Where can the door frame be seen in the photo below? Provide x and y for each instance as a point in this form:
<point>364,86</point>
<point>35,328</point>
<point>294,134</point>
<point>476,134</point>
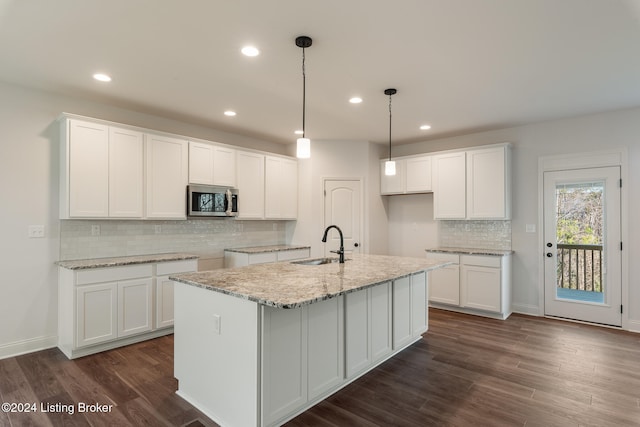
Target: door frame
<point>594,159</point>
<point>364,217</point>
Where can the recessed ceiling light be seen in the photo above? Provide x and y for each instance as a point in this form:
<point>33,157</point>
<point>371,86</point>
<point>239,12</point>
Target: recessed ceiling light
<point>102,77</point>
<point>229,113</point>
<point>298,132</point>
<point>355,100</point>
<point>425,127</point>
<point>250,51</point>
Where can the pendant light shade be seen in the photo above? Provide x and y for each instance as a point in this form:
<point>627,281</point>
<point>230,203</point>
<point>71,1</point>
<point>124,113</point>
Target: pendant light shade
<point>390,165</point>
<point>303,150</point>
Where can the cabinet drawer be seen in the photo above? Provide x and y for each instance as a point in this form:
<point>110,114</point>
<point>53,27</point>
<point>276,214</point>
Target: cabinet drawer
<point>293,254</point>
<point>444,257</point>
<point>174,267</point>
<point>113,274</point>
<point>263,258</point>
<point>481,260</point>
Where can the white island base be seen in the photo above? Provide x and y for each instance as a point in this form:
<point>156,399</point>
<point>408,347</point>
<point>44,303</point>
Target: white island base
<point>243,363</point>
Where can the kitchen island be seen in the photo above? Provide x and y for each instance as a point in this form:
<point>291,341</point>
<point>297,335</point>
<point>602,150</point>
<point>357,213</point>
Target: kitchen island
<point>257,345</point>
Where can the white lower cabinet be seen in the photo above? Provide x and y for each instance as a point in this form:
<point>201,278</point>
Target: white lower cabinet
<point>310,352</point>
<point>476,284</point>
<point>135,310</point>
<point>367,328</point>
<point>409,309</point>
<point>96,311</point>
<point>104,308</point>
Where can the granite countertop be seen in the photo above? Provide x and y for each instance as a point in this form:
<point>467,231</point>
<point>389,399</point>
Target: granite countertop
<point>265,249</point>
<point>289,285</point>
<point>82,264</point>
<point>471,251</point>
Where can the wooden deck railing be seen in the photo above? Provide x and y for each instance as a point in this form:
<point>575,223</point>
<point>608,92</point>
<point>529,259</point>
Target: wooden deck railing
<point>580,267</point>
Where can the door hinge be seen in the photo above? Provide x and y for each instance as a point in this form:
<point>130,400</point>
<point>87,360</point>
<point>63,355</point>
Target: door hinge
<point>620,182</point>
<point>325,193</point>
<point>620,245</point>
<point>621,309</point>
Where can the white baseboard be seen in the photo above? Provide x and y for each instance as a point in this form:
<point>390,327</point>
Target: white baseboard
<point>634,325</point>
<point>27,346</point>
<point>531,310</point>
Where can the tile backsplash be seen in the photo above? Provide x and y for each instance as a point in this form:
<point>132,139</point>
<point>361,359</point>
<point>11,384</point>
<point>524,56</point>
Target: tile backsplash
<point>80,239</point>
<point>475,234</point>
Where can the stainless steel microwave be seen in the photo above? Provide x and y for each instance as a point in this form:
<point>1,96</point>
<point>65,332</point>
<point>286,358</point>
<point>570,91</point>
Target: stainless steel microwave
<point>211,201</point>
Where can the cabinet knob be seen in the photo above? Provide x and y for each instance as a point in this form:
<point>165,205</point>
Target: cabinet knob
<point>355,245</point>
<point>549,244</point>
<point>549,254</point>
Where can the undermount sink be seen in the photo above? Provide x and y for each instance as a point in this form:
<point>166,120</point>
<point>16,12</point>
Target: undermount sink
<point>316,261</point>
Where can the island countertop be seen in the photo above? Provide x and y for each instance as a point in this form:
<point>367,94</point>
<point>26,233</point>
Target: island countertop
<point>289,285</point>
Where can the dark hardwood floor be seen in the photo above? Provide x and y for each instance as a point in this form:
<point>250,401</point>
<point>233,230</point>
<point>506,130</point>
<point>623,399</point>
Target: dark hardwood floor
<point>466,371</point>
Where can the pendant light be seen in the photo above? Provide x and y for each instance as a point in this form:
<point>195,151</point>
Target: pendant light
<point>390,165</point>
<point>303,150</point>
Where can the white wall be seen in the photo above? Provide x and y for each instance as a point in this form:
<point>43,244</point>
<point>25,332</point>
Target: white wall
<point>29,189</point>
<point>575,135</point>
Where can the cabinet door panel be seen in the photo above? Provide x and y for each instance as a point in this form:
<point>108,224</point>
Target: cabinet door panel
<point>96,311</point>
<point>444,285</point>
<point>393,184</point>
<point>88,170</point>
<point>134,307</point>
<point>126,179</point>
<point>486,198</point>
<point>284,362</point>
<point>251,184</point>
<point>164,302</point>
<point>418,174</point>
<point>200,163</point>
<point>402,331</point>
<point>224,166</point>
<point>326,345</point>
<point>381,331</point>
<point>481,288</point>
<point>449,193</point>
<point>418,304</point>
<point>167,176</point>
<point>358,352</point>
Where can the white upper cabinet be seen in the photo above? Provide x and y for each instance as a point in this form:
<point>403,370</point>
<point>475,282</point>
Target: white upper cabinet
<point>418,172</point>
<point>281,188</point>
<point>86,170</point>
<point>488,183</point>
<point>413,175</point>
<point>126,177</point>
<point>449,192</point>
<point>211,164</point>
<point>167,175</point>
<point>101,173</point>
<point>250,167</point>
<point>392,184</point>
<point>473,184</point>
<point>200,163</point>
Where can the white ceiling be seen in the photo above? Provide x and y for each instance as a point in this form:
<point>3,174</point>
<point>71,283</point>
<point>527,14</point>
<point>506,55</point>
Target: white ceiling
<point>459,65</point>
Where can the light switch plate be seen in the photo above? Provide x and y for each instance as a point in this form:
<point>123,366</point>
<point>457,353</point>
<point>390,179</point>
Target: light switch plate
<point>531,228</point>
<point>36,231</point>
<point>216,324</point>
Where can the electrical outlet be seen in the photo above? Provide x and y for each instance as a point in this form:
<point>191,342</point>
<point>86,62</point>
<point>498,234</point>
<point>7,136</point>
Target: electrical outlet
<point>275,226</point>
<point>216,324</point>
<point>158,229</point>
<point>36,231</point>
<point>95,230</point>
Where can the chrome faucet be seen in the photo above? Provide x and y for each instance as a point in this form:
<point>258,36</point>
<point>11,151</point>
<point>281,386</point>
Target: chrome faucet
<point>340,252</point>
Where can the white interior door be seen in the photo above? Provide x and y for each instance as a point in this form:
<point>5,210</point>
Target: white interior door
<point>582,229</point>
<point>343,207</point>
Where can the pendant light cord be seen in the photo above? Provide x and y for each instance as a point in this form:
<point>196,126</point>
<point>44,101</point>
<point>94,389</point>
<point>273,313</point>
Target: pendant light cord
<point>304,93</point>
<point>389,127</point>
